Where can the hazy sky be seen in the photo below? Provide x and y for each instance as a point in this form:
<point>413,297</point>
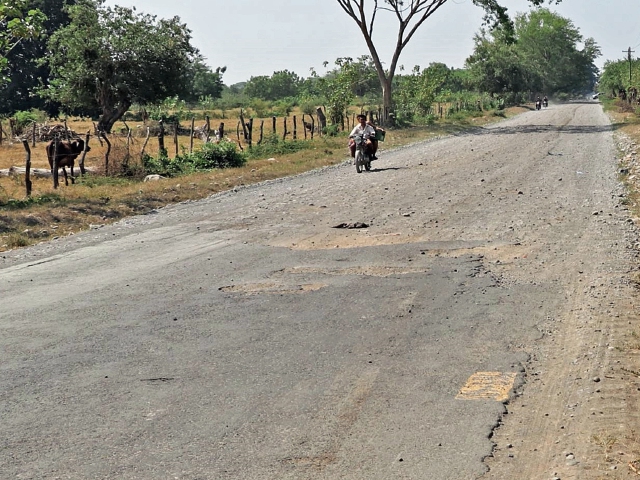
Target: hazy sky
<point>259,37</point>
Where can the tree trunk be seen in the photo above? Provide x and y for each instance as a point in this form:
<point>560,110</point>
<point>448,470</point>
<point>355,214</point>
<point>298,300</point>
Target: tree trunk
<point>27,166</point>
<point>388,118</point>
<point>322,120</point>
<point>111,116</point>
<point>107,153</point>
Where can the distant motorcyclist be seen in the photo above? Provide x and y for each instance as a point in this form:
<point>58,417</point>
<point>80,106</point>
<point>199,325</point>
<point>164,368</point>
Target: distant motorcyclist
<point>538,103</point>
<point>545,101</point>
<point>368,134</point>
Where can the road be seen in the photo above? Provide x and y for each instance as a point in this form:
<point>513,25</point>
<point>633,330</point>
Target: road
<point>244,337</point>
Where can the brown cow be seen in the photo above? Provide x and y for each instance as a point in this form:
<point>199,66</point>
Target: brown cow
<point>66,155</point>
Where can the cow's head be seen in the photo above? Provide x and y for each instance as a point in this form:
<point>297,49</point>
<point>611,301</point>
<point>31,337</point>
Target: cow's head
<point>78,146</point>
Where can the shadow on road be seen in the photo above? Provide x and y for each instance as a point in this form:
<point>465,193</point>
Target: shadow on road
<point>376,170</point>
<point>571,129</point>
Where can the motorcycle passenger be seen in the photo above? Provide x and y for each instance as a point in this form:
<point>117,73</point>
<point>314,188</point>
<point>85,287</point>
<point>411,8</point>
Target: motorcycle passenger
<point>367,132</point>
<point>545,101</point>
<point>374,141</point>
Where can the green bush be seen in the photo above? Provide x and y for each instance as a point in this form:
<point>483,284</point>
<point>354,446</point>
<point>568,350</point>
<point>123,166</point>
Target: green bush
<point>331,130</point>
<point>218,155</point>
<point>274,145</point>
<point>24,119</point>
<point>308,107</point>
<point>208,157</point>
<point>425,120</point>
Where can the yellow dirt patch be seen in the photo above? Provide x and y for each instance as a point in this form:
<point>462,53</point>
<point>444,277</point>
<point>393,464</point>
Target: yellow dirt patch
<point>343,239</point>
<point>370,270</point>
<point>488,386</point>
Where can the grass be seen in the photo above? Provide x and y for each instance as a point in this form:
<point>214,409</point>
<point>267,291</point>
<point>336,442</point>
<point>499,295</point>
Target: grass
<point>98,199</point>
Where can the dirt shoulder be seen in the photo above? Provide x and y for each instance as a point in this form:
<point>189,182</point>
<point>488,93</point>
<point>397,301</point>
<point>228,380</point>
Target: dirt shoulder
<point>577,414</point>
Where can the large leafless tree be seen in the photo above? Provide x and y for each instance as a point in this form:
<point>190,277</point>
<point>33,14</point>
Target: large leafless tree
<point>410,14</point>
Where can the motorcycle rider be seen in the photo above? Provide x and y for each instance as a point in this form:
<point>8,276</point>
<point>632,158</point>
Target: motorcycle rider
<point>538,103</point>
<point>545,101</point>
<point>368,133</point>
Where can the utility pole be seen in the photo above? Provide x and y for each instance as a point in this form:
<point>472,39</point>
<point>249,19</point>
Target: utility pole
<point>629,52</point>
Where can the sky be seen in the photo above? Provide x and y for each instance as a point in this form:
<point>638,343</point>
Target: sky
<point>260,37</point>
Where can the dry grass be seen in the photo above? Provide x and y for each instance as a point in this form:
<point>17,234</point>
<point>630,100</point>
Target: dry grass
<point>96,199</point>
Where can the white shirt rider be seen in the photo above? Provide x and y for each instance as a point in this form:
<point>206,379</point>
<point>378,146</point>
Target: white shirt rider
<point>367,131</point>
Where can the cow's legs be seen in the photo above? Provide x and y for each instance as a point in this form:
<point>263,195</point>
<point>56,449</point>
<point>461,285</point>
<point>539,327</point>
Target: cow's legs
<point>73,177</point>
<point>66,181</point>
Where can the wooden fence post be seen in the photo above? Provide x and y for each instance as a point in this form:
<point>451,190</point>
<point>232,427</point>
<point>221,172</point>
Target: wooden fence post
<point>84,153</point>
<point>261,131</point>
<point>322,120</point>
<point>295,128</point>
<point>208,128</point>
<point>144,145</point>
<point>33,135</point>
<point>273,120</point>
<point>193,121</point>
<point>244,126</point>
<point>27,174</point>
<point>163,151</point>
<point>1,132</point>
<point>250,132</point>
<point>284,135</point>
<point>54,167</point>
<point>175,136</point>
<point>97,133</point>
<point>220,132</point>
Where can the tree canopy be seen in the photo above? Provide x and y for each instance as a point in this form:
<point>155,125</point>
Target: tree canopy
<point>280,85</point>
<point>411,15</point>
<point>107,58</point>
<point>205,82</point>
<point>546,57</point>
<point>18,21</point>
<point>25,73</point>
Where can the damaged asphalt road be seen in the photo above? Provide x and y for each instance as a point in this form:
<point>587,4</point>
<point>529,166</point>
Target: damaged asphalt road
<point>245,336</point>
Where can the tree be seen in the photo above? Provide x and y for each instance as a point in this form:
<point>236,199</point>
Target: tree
<point>338,86</point>
<point>205,83</point>
<point>416,93</point>
<point>280,85</point>
<point>18,22</point>
<point>549,43</point>
<point>26,74</point>
<point>108,58</point>
<point>615,76</point>
<point>497,67</point>
<point>411,14</point>
<point>545,57</point>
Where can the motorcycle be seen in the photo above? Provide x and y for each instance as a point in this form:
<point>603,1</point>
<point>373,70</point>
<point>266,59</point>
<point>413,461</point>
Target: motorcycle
<point>538,104</point>
<point>545,103</point>
<point>362,158</point>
